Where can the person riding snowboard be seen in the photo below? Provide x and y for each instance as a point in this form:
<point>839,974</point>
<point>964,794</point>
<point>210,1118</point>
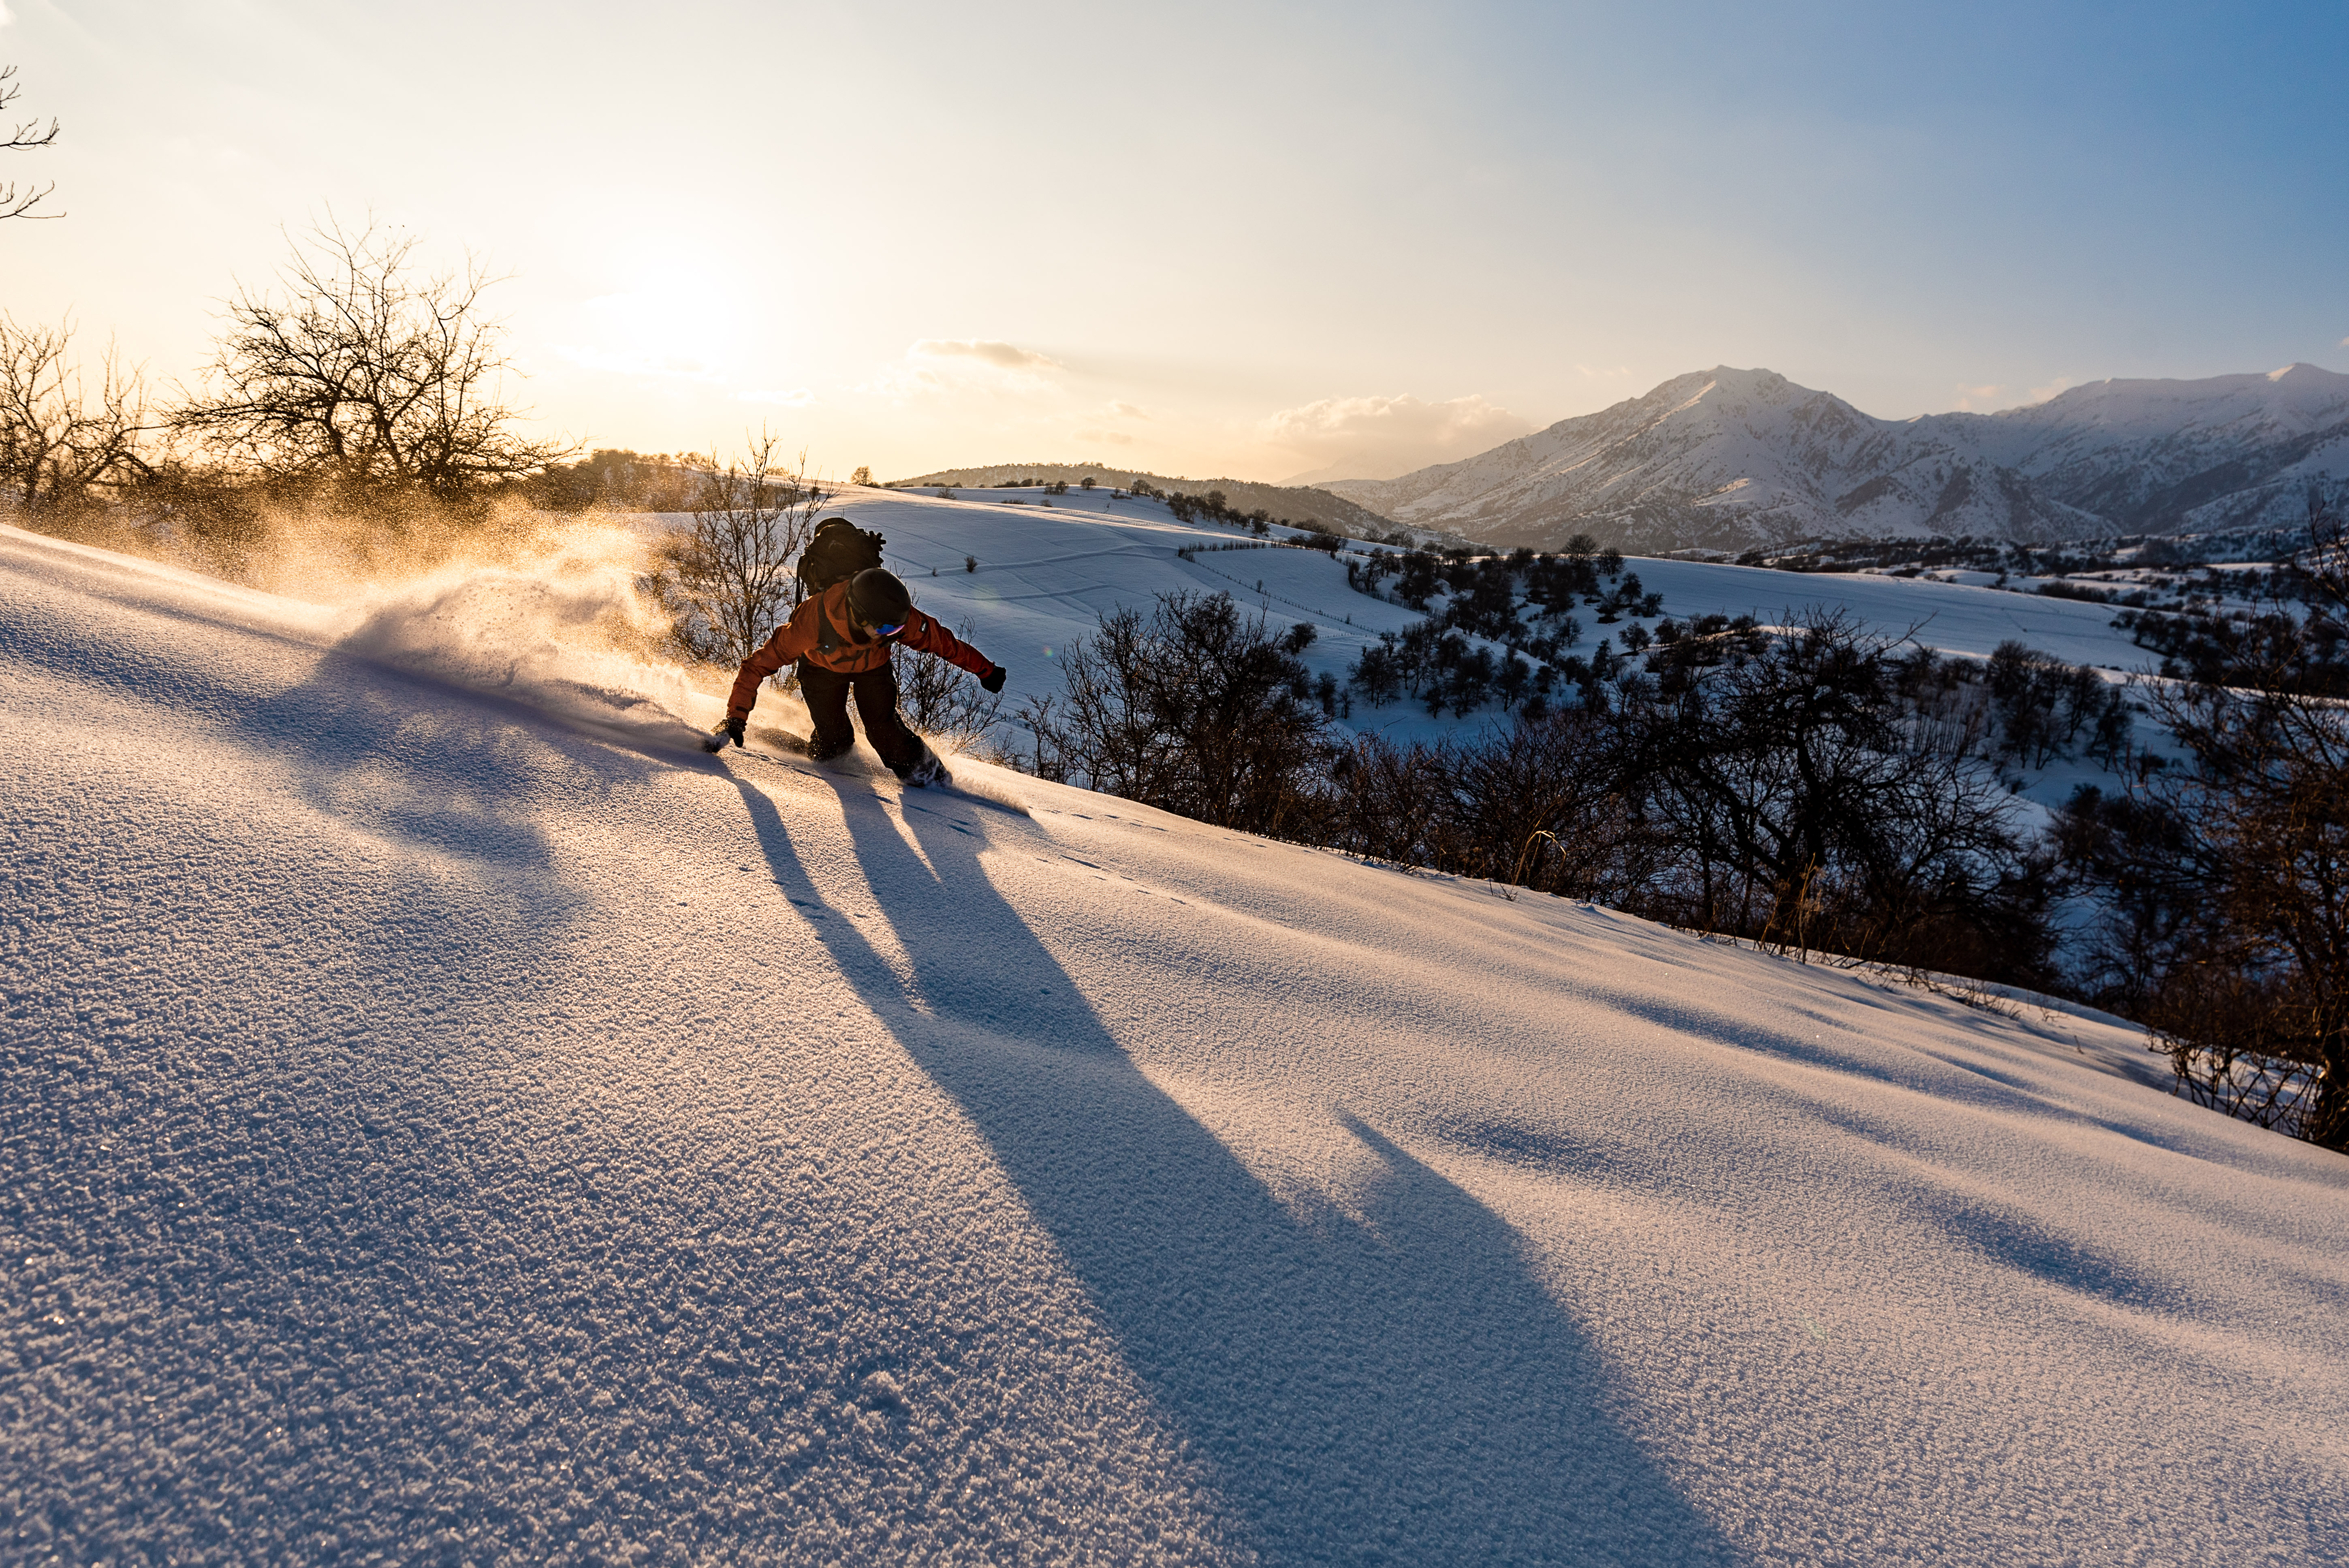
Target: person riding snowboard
<point>841,638</point>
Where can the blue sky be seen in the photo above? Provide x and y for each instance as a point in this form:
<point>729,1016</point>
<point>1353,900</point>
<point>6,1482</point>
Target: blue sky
<point>1253,239</point>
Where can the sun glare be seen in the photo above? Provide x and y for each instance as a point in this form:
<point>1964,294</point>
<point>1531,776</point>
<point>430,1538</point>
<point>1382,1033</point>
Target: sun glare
<point>678,317</point>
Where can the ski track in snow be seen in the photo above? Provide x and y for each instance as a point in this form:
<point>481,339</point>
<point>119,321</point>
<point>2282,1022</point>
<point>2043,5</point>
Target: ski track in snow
<point>447,1117</point>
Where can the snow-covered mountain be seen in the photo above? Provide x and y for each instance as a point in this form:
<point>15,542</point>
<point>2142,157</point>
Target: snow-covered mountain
<point>2151,457</point>
<point>445,1116</point>
<point>1729,458</point>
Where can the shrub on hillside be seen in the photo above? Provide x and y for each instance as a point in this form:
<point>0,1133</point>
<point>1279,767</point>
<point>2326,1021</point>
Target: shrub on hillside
<point>1196,708</point>
<point>2226,924</point>
<point>946,702</point>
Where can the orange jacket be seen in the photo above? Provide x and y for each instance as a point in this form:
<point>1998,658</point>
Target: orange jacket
<point>822,632</point>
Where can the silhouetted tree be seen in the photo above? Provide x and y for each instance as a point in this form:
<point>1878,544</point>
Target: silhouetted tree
<point>60,436</point>
<point>1812,813</point>
<point>944,701</point>
<point>366,375</point>
<point>15,201</point>
<point>2227,882</point>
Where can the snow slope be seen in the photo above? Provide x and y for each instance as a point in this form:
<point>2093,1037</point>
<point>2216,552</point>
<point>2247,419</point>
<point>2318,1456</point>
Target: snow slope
<point>1950,617</point>
<point>447,1117</point>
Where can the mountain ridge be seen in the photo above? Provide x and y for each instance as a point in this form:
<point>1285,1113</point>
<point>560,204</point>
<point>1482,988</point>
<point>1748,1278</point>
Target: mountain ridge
<point>1737,458</point>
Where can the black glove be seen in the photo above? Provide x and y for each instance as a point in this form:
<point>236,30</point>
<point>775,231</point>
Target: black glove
<point>731,729</point>
<point>993,678</point>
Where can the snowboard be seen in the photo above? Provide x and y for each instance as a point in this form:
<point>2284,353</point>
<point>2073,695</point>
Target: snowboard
<point>929,770</point>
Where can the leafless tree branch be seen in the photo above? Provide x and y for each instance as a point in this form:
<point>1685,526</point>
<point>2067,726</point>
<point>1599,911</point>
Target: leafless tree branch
<point>726,576</point>
<point>366,375</point>
<point>15,201</point>
<point>59,437</point>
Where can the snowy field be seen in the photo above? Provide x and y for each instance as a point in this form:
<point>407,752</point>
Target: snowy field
<point>448,1118</point>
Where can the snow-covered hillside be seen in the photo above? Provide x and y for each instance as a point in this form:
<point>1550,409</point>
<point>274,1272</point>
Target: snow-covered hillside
<point>1045,575</point>
<point>1735,458</point>
<point>448,1117</point>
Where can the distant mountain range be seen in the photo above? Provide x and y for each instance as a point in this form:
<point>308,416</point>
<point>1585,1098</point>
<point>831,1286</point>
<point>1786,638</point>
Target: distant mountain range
<point>1733,459</point>
<point>1291,502</point>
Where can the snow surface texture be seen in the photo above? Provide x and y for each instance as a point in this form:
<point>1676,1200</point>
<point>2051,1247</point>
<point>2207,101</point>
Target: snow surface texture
<point>461,1127</point>
<point>1737,458</point>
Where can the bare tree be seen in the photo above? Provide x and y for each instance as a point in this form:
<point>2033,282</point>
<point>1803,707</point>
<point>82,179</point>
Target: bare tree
<point>942,701</point>
<point>2324,566</point>
<point>1200,709</point>
<point>59,437</point>
<point>15,202</point>
<point>2227,881</point>
<point>370,375</point>
<point>727,578</point>
<point>2229,885</point>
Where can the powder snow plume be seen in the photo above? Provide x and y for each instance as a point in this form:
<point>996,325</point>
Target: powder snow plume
<point>560,629</point>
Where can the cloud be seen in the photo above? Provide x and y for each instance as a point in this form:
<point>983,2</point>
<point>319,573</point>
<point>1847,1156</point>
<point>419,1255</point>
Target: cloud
<point>1106,437</point>
<point>1126,410</point>
<point>1973,400</point>
<point>1002,356</point>
<point>797,398</point>
<point>1378,437</point>
<point>964,368</point>
<point>2344,342</point>
<point>1990,399</point>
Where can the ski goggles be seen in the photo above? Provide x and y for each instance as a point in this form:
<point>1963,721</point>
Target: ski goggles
<point>888,630</point>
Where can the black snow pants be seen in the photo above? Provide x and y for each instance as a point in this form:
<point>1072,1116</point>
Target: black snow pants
<point>826,693</point>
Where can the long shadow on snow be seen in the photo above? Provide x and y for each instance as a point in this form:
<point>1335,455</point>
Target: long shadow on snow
<point>1398,1389</point>
<point>2006,1234</point>
<point>349,713</point>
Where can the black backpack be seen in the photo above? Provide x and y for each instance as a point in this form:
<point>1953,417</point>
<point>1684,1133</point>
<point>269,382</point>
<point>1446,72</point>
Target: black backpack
<point>838,551</point>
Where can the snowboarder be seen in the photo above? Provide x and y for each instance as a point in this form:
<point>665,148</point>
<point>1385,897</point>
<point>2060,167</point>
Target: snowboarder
<point>841,638</point>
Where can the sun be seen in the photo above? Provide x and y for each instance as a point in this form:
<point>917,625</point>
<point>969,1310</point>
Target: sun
<point>675,316</point>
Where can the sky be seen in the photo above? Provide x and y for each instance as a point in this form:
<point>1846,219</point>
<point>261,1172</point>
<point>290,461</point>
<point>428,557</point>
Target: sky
<point>1258,239</point>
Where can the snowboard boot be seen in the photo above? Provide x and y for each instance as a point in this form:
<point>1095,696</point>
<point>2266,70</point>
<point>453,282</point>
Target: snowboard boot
<point>925,770</point>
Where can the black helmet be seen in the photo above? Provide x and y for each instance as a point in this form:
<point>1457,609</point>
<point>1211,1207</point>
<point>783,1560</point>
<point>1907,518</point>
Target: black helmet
<point>878,598</point>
